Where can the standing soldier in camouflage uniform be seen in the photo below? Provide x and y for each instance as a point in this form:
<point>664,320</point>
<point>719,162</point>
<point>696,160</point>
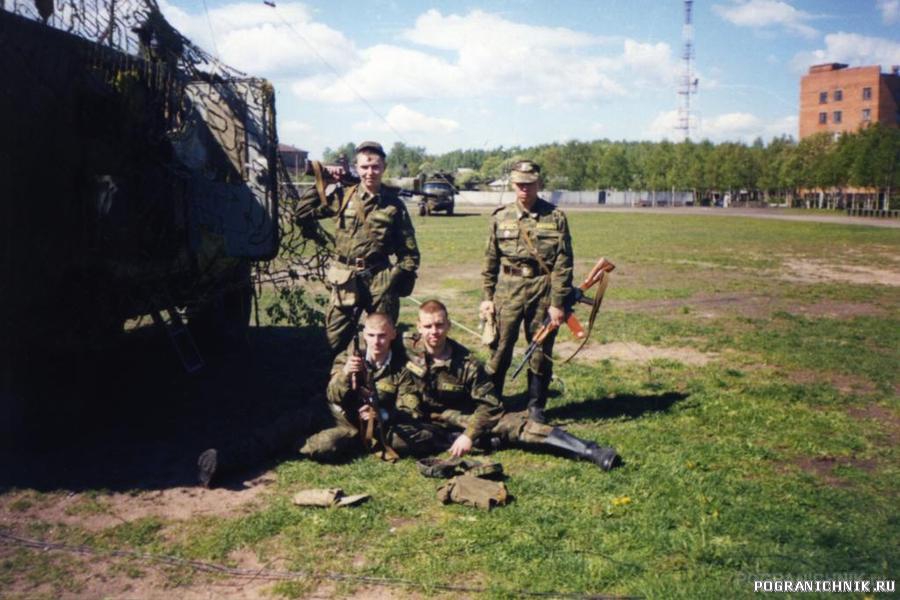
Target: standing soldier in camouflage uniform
<point>448,389</point>
<point>526,277</point>
<point>371,224</point>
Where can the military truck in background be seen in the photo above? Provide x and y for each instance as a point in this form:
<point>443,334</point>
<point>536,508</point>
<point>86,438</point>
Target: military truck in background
<point>139,177</point>
<point>438,193</point>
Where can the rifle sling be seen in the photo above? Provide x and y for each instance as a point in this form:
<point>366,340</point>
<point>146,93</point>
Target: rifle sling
<point>532,248</point>
<point>595,308</point>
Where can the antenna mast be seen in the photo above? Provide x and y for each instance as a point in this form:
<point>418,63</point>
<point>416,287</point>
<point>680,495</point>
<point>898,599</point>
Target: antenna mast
<point>688,85</point>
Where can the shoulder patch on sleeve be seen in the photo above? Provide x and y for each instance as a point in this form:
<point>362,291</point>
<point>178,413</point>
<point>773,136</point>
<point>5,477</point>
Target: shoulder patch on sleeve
<point>415,369</point>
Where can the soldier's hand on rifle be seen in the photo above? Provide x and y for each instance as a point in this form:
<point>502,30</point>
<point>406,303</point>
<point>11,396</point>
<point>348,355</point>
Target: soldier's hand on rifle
<point>335,172</point>
<point>354,364</point>
<point>367,413</point>
<point>461,446</point>
<point>486,310</point>
<point>557,316</point>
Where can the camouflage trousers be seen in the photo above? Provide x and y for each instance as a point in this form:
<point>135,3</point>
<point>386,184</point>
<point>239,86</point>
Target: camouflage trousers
<point>508,427</point>
<point>406,436</point>
<point>518,301</point>
<point>374,294</point>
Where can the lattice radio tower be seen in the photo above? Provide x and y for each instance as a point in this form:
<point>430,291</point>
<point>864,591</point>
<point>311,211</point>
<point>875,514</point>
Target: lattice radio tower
<point>688,86</point>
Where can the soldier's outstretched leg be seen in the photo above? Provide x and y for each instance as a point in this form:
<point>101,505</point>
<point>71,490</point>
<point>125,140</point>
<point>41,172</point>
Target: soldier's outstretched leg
<point>332,444</point>
<point>605,458</point>
<point>261,444</point>
<point>517,427</point>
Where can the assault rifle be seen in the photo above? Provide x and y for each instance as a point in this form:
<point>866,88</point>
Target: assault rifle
<point>599,276</point>
<point>368,395</point>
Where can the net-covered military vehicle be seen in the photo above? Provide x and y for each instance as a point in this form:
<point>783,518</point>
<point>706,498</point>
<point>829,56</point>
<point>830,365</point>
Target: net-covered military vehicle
<point>138,178</point>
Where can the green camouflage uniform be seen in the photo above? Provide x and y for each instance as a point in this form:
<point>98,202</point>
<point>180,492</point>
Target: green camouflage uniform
<point>368,230</point>
<point>457,395</point>
<point>344,402</point>
<point>515,280</point>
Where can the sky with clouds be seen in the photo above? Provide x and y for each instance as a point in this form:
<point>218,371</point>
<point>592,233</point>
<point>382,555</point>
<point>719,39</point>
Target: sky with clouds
<point>482,74</point>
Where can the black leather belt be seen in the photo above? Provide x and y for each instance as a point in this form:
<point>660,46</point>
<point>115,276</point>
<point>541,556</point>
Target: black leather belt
<point>523,271</point>
<point>373,262</point>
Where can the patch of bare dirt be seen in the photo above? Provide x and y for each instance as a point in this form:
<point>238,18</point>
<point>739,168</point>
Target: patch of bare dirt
<point>837,310</point>
<point>703,305</point>
<point>816,271</point>
<point>846,384</point>
<point>882,416</point>
<point>96,576</point>
<point>634,352</point>
<point>96,513</point>
<point>823,468</point>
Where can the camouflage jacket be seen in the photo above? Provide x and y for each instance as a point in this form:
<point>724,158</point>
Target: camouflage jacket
<point>458,384</point>
<point>343,401</point>
<point>516,235</point>
<point>366,224</point>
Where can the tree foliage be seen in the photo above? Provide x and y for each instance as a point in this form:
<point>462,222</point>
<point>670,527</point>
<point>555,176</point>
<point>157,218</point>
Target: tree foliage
<point>783,168</point>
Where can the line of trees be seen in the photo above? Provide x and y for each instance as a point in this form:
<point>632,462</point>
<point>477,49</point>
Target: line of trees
<point>818,171</point>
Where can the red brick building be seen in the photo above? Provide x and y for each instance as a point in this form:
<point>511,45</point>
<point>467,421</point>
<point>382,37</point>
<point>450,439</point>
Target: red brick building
<point>838,98</point>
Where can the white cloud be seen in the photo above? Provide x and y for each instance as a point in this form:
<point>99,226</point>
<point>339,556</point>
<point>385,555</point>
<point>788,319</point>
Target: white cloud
<point>761,14</point>
<point>402,119</point>
<point>890,11</point>
<point>850,48</point>
<point>734,127</point>
<point>746,127</point>
<point>265,41</point>
<point>482,55</point>
<point>664,126</point>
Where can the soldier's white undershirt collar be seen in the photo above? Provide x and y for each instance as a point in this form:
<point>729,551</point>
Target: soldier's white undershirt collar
<point>521,212</point>
<point>377,365</point>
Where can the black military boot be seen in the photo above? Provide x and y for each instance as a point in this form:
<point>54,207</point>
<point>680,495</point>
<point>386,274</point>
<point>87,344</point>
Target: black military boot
<point>207,465</point>
<point>537,397</point>
<point>215,463</point>
<point>605,458</point>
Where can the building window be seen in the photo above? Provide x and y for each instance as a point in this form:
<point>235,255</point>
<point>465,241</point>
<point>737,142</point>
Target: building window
<point>838,95</point>
<point>867,114</point>
<point>823,97</point>
<point>867,93</point>
<point>837,116</point>
<point>823,118</point>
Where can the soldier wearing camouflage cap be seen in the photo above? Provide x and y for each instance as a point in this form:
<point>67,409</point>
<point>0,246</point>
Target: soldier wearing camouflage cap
<point>527,275</point>
<point>371,226</point>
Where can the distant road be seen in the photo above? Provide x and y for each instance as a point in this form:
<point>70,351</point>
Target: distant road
<point>756,213</point>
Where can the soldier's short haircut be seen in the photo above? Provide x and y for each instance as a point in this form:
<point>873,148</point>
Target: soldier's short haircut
<point>431,307</point>
<point>377,319</point>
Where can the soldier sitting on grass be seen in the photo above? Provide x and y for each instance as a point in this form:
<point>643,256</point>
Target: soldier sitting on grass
<point>447,390</point>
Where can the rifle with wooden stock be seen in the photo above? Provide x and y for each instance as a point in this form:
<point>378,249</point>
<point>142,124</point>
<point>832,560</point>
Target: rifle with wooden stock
<point>599,276</point>
<point>368,396</point>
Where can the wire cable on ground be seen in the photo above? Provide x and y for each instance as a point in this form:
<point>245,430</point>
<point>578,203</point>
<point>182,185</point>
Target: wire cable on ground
<point>268,574</point>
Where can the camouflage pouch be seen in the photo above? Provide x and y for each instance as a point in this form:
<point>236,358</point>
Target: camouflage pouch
<point>443,469</point>
<point>342,282</point>
<point>489,330</point>
<point>473,491</point>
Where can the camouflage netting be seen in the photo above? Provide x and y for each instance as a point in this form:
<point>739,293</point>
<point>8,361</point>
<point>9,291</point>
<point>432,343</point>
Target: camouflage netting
<point>165,89</point>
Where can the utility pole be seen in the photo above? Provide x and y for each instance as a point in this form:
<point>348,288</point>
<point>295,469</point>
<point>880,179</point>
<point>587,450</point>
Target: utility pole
<point>688,85</point>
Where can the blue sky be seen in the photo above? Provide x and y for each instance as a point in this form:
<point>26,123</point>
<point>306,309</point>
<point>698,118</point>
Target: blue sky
<point>467,74</point>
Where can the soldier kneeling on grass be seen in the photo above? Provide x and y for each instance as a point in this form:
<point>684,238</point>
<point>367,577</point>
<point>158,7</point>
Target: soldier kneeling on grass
<point>446,391</point>
<point>361,397</point>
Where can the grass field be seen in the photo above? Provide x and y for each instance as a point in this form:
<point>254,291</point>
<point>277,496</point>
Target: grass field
<point>746,370</point>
